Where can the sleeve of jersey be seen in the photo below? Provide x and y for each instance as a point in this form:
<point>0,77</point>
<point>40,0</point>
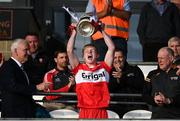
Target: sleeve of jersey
<point>48,77</point>
<point>75,70</point>
<point>108,68</point>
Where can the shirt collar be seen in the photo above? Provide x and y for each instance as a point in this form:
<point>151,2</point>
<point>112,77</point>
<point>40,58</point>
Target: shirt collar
<point>19,64</point>
<point>160,8</point>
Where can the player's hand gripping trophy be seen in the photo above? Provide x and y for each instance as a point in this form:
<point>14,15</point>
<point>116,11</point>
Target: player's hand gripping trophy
<point>87,25</point>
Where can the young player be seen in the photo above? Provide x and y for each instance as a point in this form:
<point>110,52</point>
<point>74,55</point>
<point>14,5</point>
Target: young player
<point>91,78</point>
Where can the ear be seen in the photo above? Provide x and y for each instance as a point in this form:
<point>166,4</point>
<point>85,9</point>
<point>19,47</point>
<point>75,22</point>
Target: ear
<point>97,56</point>
<point>55,59</point>
<point>15,51</point>
<point>172,58</point>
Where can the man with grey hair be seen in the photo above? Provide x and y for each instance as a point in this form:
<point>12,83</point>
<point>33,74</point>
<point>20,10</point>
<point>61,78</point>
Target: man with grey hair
<point>174,44</point>
<point>16,89</point>
<point>162,87</point>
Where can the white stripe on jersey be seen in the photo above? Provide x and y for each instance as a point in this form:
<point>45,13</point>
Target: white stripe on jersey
<point>100,75</point>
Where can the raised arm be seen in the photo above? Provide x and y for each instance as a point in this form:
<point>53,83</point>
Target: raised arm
<point>125,15</point>
<point>73,60</point>
<point>111,48</point>
<point>109,10</point>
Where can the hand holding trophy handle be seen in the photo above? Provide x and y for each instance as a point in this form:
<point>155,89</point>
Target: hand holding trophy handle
<point>87,25</point>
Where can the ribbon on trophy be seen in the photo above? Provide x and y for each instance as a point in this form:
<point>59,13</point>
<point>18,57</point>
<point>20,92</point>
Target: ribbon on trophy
<point>87,25</point>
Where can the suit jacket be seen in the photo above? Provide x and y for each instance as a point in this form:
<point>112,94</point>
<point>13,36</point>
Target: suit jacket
<point>17,99</point>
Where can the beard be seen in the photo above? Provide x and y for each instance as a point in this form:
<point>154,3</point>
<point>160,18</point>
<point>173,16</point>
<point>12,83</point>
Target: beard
<point>63,65</point>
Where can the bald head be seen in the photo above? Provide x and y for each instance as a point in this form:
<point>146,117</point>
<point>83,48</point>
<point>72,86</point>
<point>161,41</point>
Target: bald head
<point>165,58</point>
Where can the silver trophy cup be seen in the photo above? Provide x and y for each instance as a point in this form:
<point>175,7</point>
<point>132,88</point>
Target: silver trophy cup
<point>86,26</point>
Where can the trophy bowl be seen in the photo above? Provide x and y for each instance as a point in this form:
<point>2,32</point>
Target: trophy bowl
<point>85,26</point>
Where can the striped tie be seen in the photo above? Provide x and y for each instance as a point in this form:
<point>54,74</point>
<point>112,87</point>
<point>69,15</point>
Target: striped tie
<point>25,74</point>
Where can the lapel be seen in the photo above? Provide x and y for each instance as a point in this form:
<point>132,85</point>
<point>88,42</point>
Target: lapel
<point>19,71</point>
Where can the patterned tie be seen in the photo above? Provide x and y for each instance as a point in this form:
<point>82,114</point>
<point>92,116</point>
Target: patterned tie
<point>25,74</point>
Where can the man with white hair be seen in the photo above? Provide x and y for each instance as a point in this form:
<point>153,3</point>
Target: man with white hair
<point>174,44</point>
<point>162,87</point>
<point>16,88</point>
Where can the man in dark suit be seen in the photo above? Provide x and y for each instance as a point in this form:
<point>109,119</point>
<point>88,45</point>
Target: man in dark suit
<point>15,86</point>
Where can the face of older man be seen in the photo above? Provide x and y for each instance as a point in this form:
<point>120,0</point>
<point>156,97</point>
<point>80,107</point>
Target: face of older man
<point>175,46</point>
<point>165,60</point>
<point>21,52</point>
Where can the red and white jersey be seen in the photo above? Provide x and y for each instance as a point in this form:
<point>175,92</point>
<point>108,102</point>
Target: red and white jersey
<point>92,85</point>
<point>49,78</point>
